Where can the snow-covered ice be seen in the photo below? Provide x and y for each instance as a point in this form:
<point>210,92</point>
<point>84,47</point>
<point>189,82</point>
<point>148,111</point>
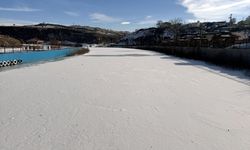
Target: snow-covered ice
<point>124,99</point>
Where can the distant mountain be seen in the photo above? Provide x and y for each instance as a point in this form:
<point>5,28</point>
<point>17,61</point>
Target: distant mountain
<point>49,32</point>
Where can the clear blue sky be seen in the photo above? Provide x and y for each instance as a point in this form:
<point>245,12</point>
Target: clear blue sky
<point>118,14</point>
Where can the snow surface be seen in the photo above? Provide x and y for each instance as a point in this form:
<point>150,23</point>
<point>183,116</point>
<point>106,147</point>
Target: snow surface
<point>124,99</point>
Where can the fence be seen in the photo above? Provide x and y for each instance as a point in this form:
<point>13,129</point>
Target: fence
<point>238,58</point>
<point>29,47</point>
<point>10,50</point>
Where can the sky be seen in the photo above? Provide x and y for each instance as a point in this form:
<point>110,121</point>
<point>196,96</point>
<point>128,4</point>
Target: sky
<point>124,15</point>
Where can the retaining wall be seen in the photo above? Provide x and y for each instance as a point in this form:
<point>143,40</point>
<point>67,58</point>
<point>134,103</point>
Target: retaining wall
<point>239,58</point>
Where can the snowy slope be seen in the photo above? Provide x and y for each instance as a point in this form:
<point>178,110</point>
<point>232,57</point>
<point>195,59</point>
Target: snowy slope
<point>131,38</point>
<point>123,99</point>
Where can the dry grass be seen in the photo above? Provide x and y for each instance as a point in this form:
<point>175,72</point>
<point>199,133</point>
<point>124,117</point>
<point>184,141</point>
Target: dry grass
<point>81,51</point>
<point>7,41</point>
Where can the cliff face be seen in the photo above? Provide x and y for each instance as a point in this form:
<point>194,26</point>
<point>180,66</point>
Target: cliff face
<point>48,32</point>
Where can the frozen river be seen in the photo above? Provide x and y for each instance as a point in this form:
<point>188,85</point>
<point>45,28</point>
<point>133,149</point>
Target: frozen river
<point>124,99</point>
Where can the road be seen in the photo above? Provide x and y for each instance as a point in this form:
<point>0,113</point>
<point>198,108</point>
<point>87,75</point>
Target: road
<point>121,99</point>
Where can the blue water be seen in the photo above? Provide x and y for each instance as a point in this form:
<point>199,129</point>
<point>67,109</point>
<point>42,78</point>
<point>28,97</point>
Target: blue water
<point>34,56</point>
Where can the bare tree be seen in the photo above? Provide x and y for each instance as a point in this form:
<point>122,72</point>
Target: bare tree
<point>176,21</point>
<point>159,24</point>
<point>232,20</point>
<point>247,21</point>
<point>176,26</point>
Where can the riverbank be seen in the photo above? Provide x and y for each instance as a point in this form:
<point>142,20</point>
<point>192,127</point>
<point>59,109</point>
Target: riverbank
<point>113,98</point>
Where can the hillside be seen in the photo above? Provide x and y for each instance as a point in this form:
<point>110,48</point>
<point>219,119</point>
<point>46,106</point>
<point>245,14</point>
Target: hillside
<point>6,41</point>
<point>48,32</point>
<point>207,34</point>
